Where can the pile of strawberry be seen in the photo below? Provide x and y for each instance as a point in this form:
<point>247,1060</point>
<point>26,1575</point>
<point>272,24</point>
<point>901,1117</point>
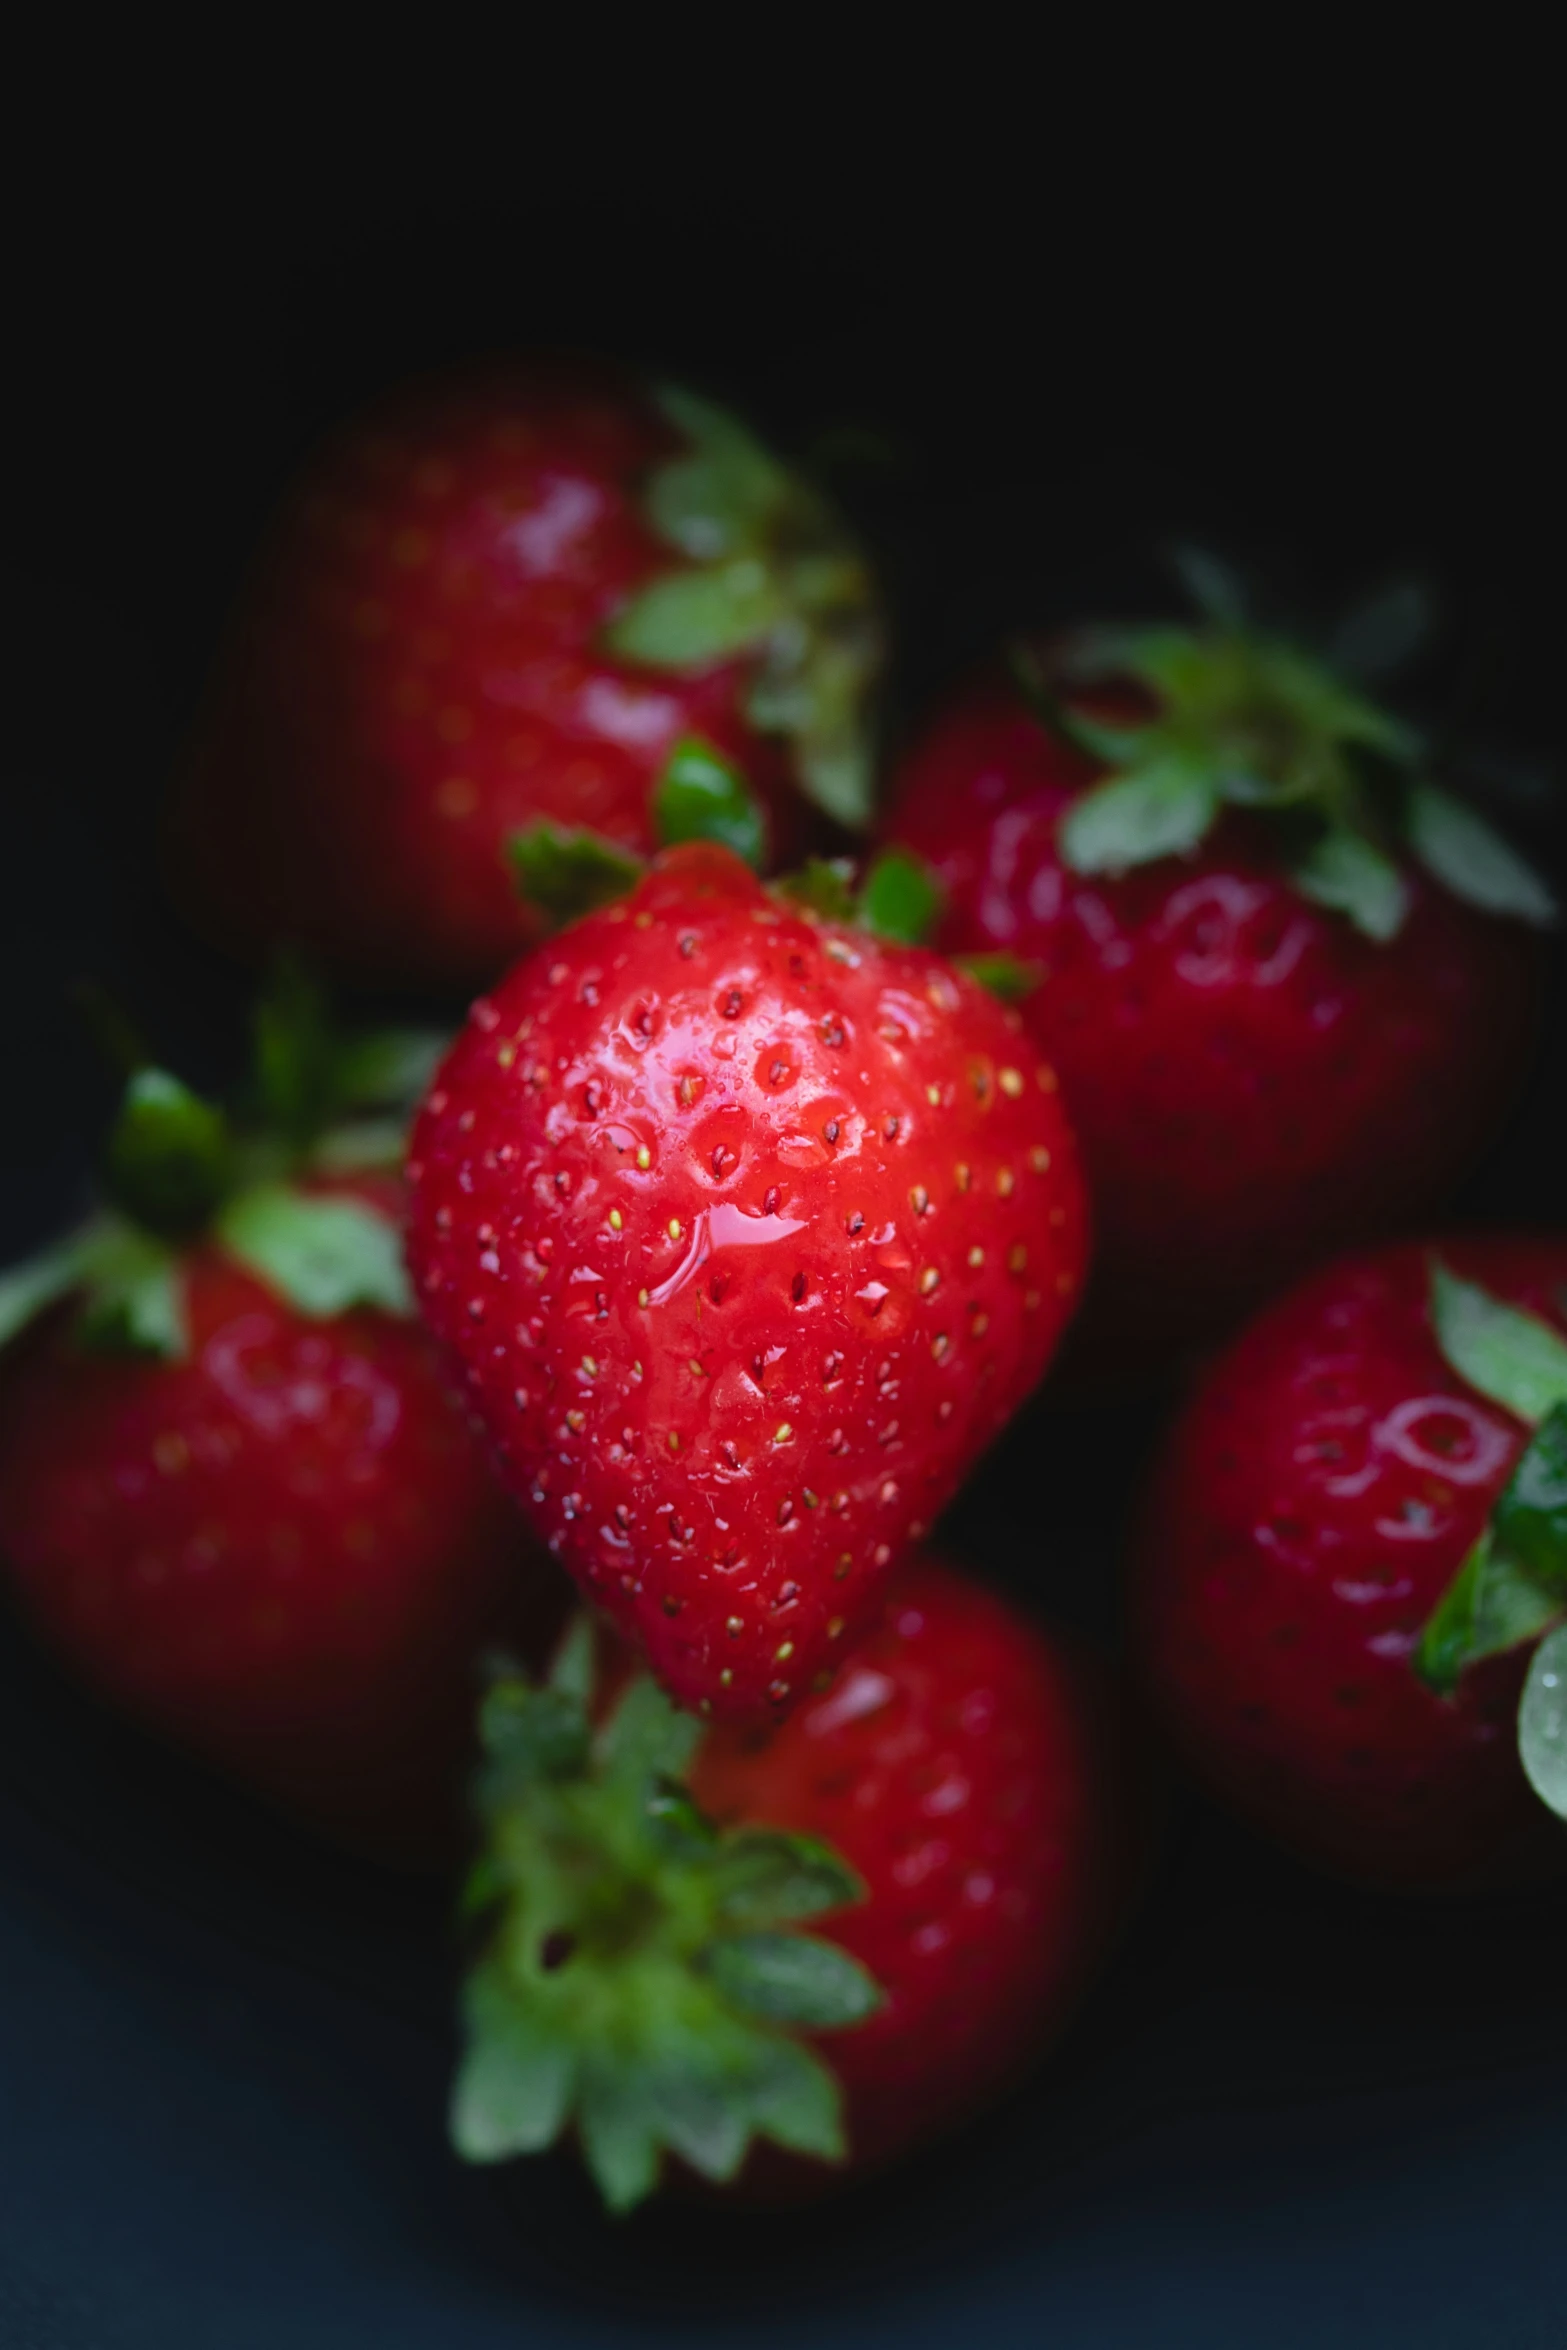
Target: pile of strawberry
<point>736,1223</point>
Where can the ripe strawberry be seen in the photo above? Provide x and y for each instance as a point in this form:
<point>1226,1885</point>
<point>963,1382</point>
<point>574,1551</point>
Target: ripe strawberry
<point>1270,966</point>
<point>747,1231</point>
<point>234,1493</point>
<point>939,1814</point>
<point>1348,1543</point>
<point>502,598</point>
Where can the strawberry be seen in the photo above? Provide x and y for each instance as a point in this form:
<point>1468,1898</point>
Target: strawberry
<point>1278,971</point>
<point>500,598</point>
<point>1351,1542</point>
<point>234,1494</point>
<point>938,1823</point>
<point>746,1231</point>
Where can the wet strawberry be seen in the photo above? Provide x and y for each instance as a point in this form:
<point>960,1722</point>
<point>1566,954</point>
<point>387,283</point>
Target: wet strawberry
<point>748,1231</point>
<point>937,1821</point>
<point>1342,1564</point>
<point>1280,974</point>
<point>503,598</point>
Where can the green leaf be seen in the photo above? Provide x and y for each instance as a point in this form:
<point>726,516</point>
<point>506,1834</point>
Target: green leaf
<point>837,776</point>
<point>170,1158</point>
<point>1344,871</point>
<point>1530,1519</point>
<point>1159,810</point>
<point>1329,714</point>
<point>901,898</point>
<point>564,875</point>
<point>1512,1357</point>
<point>798,2103</point>
<point>1514,1581</point>
<point>364,1146</point>
<point>133,1292</point>
<point>700,796</point>
<point>1002,976</point>
<point>811,686</point>
<point>1492,1604</point>
<point>646,1737</point>
<point>677,1820</point>
<point>571,1669</point>
<point>693,619</point>
<point>1244,790</point>
<point>324,1254</point>
<point>726,493</point>
<point>294,1052</point>
<point>706,2121</point>
<point>142,1313</point>
<point>619,2134</point>
<point>486,1884</point>
<point>793,1979</point>
<point>307,1075</point>
<point>515,2082</point>
<point>387,1068</point>
<point>1542,1722</point>
<point>26,1289</point>
<point>1214,588</point>
<point>825,884</point>
<point>765,1878</point>
<point>533,1733</point>
<point>1462,852</point>
<point>1383,633</point>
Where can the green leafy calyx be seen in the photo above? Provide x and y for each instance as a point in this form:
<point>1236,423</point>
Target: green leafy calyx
<point>327,1098</point>
<point>1513,1584</point>
<point>323,1252</point>
<point>700,796</point>
<point>126,1281</point>
<point>563,874</point>
<point>772,577</point>
<point>1239,719</point>
<point>901,898</point>
<point>177,1170</point>
<point>170,1157</point>
<point>643,1977</point>
<point>566,875</point>
<point>1542,1722</point>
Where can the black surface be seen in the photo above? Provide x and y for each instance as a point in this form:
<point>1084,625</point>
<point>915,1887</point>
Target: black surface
<point>1290,2114</point>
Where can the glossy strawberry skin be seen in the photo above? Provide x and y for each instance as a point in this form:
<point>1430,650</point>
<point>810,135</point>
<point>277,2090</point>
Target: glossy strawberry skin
<point>747,1233</point>
<point>954,1766</point>
<point>417,672</point>
<point>281,1552</point>
<point>1312,1505</point>
<point>1253,1083</point>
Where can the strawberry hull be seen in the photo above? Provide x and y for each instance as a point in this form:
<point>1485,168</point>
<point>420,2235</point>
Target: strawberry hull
<point>747,1233</point>
<point>785,1956</point>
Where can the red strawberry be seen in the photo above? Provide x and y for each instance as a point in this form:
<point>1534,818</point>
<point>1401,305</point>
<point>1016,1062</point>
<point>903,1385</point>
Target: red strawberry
<point>233,1490</point>
<point>1275,1031</point>
<point>938,1816</point>
<point>498,599</point>
<point>747,1230</point>
<point>1340,1530</point>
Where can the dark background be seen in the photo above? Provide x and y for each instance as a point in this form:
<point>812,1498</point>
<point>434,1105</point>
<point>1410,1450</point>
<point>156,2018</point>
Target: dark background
<point>1290,2113</point>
